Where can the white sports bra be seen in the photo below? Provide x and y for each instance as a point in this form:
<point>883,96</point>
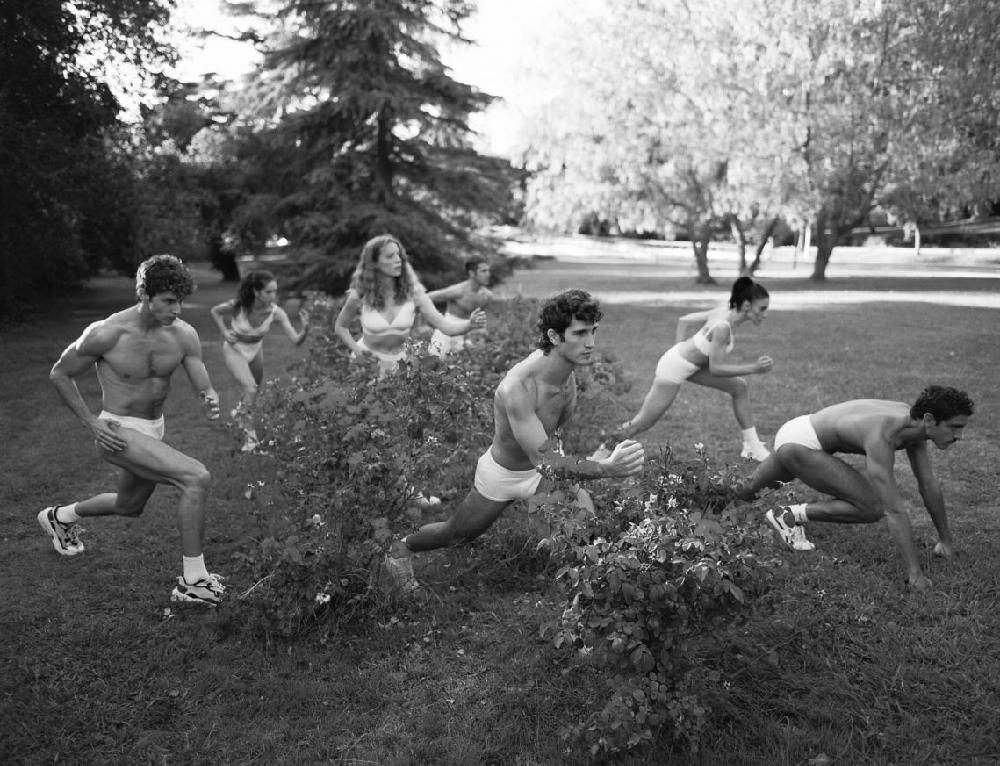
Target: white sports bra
<point>373,323</point>
<point>241,323</point>
<point>702,339</point>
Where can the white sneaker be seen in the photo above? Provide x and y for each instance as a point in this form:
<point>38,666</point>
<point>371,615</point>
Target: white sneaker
<point>794,536</point>
<point>757,452</point>
<point>423,502</point>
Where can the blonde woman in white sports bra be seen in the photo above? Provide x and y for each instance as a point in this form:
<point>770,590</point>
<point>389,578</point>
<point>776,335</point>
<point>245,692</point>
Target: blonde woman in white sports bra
<point>703,359</point>
<point>254,309</point>
<point>385,295</point>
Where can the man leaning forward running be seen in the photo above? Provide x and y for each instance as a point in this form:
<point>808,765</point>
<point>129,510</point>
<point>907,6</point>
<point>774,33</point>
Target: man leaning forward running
<point>804,449</point>
<point>135,352</point>
<point>462,299</point>
<point>536,397</point>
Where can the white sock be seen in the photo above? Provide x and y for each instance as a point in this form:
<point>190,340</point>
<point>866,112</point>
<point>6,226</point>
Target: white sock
<point>67,514</point>
<point>750,437</point>
<point>799,512</point>
<point>194,569</point>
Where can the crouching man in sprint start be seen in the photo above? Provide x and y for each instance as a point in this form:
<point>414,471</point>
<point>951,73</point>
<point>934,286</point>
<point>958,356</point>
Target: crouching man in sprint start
<point>536,397</point>
<point>804,449</point>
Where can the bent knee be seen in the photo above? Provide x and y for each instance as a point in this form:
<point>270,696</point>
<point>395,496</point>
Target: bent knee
<point>197,477</point>
<point>740,386</point>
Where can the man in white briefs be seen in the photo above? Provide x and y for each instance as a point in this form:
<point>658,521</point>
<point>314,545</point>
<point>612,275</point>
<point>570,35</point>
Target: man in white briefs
<point>804,449</point>
<point>532,402</point>
<point>135,352</point>
<point>462,299</point>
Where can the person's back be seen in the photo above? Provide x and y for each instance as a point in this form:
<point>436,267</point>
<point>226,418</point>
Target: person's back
<point>846,426</point>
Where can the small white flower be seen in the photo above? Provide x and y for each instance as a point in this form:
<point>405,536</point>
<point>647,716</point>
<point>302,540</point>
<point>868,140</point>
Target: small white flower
<point>699,446</point>
<point>322,598</point>
<point>672,502</point>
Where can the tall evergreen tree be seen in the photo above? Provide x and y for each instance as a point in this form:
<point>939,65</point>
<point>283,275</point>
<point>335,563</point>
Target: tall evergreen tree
<point>361,130</point>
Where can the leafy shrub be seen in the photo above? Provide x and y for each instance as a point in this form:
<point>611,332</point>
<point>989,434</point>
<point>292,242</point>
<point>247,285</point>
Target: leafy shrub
<point>669,558</point>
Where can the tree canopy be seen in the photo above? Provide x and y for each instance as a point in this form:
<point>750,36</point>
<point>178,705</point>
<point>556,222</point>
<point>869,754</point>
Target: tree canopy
<point>733,109</point>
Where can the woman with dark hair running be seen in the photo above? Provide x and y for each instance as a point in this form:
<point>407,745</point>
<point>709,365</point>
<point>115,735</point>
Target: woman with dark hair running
<point>703,358</point>
<point>253,309</point>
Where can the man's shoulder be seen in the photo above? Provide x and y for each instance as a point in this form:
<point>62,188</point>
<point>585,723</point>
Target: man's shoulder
<point>520,377</point>
<point>104,334</point>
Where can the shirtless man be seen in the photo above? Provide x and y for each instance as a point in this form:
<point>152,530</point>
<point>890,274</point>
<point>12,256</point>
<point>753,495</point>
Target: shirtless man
<point>463,298</point>
<point>536,397</point>
<point>135,352</point>
<point>804,449</point>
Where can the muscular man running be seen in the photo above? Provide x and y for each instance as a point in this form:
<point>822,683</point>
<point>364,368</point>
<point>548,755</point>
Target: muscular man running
<point>463,298</point>
<point>135,352</point>
<point>537,396</point>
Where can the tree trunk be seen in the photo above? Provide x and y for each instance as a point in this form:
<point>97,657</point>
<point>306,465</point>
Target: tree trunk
<point>741,242</point>
<point>827,234</point>
<point>383,158</point>
<point>755,264</point>
<point>699,241</point>
<point>223,259</point>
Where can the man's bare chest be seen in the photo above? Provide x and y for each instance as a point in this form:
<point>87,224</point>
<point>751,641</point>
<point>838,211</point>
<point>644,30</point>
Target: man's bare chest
<point>140,358</point>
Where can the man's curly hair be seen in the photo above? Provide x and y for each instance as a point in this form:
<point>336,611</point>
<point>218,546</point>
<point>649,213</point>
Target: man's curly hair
<point>163,274</point>
<point>558,311</point>
<point>942,402</point>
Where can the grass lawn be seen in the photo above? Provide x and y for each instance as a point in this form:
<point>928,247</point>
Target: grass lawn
<point>98,667</point>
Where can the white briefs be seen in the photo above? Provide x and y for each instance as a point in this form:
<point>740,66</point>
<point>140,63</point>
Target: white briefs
<point>674,368</point>
<point>152,428</point>
<point>799,430</point>
<point>494,482</point>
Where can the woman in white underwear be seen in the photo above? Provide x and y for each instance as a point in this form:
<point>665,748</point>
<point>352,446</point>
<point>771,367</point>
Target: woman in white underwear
<point>386,294</point>
<point>703,358</point>
<point>253,309</point>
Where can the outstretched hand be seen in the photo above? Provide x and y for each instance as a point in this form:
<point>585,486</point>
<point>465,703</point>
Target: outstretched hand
<point>626,459</point>
<point>764,364</point>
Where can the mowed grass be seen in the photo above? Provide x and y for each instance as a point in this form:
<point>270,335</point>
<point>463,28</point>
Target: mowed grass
<point>845,662</point>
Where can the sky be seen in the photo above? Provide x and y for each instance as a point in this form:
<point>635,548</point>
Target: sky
<point>506,33</point>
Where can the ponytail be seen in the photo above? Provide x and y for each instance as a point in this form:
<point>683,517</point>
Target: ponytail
<point>745,289</point>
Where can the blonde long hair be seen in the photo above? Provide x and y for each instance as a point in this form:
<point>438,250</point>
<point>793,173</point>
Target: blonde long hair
<point>364,280</point>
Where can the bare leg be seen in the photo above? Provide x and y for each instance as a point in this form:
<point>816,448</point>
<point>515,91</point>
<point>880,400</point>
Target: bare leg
<point>737,388</point>
<point>855,500</point>
<point>146,462</point>
<point>249,375</point>
<point>658,400</point>
<point>475,514</point>
<point>768,475</point>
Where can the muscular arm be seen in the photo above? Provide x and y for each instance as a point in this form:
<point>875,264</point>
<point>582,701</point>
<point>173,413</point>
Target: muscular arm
<point>445,294</point>
<point>931,493</point>
<point>194,366</point>
<point>880,457</point>
<point>543,451</point>
<point>348,313</point>
<point>79,357</point>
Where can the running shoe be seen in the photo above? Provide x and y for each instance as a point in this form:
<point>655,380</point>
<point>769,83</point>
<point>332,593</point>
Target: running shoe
<point>792,535</point>
<point>208,590</point>
<point>65,537</point>
<point>400,572</point>
<point>757,452</point>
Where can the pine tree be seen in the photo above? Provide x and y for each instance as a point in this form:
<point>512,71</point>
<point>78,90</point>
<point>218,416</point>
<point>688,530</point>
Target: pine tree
<point>367,133</point>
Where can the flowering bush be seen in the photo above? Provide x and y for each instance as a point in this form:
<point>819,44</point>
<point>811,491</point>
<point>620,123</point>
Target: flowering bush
<point>647,565</point>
